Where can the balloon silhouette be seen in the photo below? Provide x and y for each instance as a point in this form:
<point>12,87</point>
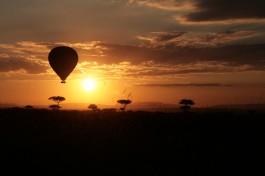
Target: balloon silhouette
<point>63,60</point>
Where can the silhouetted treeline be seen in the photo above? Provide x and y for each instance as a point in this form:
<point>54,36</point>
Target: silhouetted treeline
<point>131,143</point>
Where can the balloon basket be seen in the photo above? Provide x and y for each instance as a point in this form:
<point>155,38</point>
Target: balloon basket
<point>63,82</point>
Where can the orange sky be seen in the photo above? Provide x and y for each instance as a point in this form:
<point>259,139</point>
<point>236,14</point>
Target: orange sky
<point>159,51</point>
<point>37,92</point>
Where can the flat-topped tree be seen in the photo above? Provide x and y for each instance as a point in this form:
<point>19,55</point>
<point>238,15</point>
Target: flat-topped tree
<point>124,104</point>
<point>57,99</point>
<point>186,104</point>
<point>93,107</point>
<point>55,107</point>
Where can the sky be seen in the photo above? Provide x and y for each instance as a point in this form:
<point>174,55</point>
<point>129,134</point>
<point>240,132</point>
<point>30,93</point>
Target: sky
<point>211,51</point>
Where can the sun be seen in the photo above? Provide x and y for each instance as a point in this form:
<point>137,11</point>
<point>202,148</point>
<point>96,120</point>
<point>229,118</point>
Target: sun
<point>89,84</point>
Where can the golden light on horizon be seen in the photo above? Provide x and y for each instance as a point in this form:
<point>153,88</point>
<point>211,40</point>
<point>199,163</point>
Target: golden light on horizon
<point>89,84</point>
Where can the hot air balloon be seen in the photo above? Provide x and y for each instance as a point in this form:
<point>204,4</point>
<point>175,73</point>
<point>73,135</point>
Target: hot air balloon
<point>63,60</point>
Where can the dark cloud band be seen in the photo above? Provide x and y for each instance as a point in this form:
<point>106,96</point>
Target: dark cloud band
<point>211,10</point>
<point>15,64</point>
<point>219,10</point>
<point>186,85</point>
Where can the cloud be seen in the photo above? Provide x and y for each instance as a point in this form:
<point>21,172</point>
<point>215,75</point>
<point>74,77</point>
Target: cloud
<point>162,56</point>
<point>189,39</point>
<point>76,21</point>
<point>161,37</point>
<point>150,71</point>
<point>209,11</point>
<point>221,10</point>
<point>186,85</point>
<point>164,4</point>
<point>237,55</point>
<point>21,65</point>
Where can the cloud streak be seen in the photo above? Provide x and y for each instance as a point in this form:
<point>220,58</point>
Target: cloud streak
<point>221,10</point>
<point>22,65</point>
<point>164,56</point>
<point>149,71</point>
<point>188,39</point>
<point>186,85</point>
<point>234,55</point>
<point>203,11</point>
<point>164,4</point>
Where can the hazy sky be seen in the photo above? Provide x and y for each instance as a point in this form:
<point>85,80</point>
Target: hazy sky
<point>212,51</point>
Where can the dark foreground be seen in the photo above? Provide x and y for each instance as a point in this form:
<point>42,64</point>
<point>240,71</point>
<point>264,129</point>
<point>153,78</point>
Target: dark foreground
<point>43,142</point>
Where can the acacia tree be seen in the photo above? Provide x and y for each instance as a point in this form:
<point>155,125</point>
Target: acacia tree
<point>57,99</point>
<point>186,104</point>
<point>55,107</point>
<point>124,104</point>
<point>93,107</point>
<point>29,107</point>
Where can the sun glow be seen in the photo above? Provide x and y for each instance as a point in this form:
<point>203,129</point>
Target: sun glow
<point>89,84</point>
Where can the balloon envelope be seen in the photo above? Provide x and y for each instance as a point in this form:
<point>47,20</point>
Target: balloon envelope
<point>63,60</point>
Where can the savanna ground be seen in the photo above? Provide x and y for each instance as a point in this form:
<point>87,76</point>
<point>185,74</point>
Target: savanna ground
<point>44,142</point>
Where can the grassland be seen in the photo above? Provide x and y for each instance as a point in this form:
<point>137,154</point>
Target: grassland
<point>44,142</point>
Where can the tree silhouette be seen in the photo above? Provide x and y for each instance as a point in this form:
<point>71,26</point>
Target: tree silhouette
<point>29,107</point>
<point>124,104</point>
<point>57,99</point>
<point>55,107</point>
<point>93,107</point>
<point>186,104</point>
